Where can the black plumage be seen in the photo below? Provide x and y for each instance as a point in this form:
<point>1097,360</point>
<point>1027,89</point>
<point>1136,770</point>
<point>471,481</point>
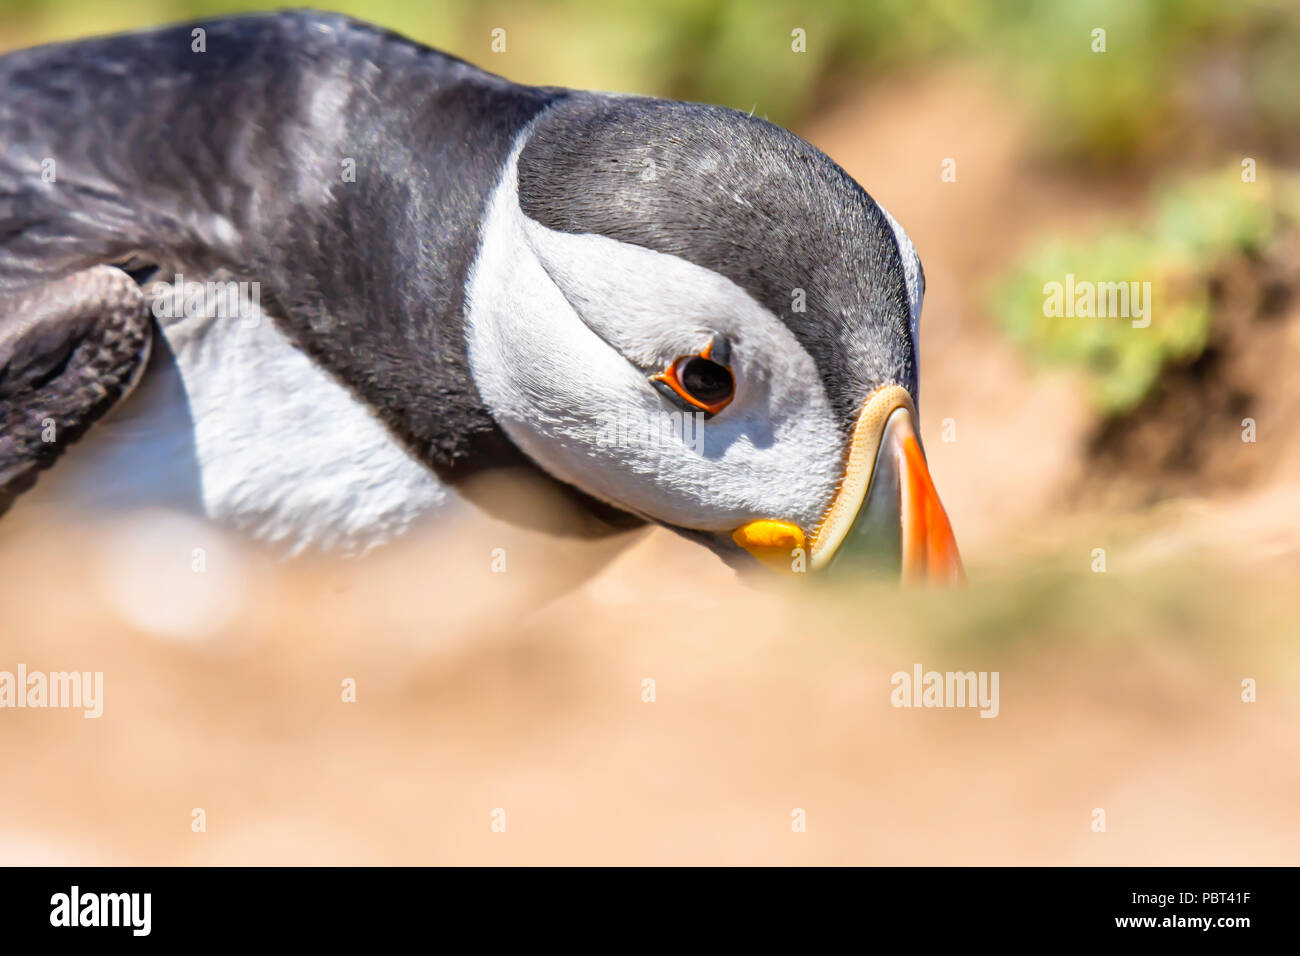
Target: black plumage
<point>346,169</point>
<point>353,165</point>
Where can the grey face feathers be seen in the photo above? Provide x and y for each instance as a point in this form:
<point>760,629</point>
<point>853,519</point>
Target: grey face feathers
<point>743,198</point>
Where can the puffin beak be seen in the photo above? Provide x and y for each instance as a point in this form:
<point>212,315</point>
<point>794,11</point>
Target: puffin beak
<point>886,515</point>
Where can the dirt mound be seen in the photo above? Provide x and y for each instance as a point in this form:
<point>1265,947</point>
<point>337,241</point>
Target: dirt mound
<point>1219,422</point>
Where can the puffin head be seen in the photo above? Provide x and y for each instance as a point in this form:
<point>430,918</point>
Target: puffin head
<point>697,317</point>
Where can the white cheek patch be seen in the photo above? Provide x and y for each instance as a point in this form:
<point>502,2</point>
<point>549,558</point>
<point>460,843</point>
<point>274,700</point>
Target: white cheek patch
<point>562,332</point>
<point>649,306</point>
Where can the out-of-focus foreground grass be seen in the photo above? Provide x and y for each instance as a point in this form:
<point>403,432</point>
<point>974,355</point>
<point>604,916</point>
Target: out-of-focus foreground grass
<point>664,713</point>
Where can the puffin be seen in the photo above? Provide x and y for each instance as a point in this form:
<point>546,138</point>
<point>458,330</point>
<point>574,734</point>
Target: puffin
<point>307,278</point>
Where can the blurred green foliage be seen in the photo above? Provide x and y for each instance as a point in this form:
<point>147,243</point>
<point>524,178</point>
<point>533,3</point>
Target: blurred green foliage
<point>1198,223</point>
<point>1166,60</point>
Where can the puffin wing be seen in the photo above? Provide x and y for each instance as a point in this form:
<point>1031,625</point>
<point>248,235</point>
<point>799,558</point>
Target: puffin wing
<point>70,349</point>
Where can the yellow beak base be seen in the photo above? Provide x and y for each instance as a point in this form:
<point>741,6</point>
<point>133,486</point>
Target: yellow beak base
<point>774,543</point>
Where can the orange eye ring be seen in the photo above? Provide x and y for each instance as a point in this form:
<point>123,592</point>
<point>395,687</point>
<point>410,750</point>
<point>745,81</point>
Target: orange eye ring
<point>702,381</point>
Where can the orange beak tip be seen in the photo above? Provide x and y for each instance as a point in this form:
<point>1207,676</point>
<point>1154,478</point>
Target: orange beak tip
<point>930,552</point>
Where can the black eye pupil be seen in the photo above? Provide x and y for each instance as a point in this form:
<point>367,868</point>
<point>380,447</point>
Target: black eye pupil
<point>707,381</point>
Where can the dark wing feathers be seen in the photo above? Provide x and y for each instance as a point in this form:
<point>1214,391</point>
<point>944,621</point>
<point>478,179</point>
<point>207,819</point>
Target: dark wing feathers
<point>70,349</point>
<point>141,150</point>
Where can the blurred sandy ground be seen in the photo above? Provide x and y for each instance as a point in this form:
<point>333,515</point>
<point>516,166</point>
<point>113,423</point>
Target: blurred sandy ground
<point>523,690</point>
<point>1118,691</point>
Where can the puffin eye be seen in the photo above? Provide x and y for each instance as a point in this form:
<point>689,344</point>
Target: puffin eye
<point>705,380</point>
<point>700,381</point>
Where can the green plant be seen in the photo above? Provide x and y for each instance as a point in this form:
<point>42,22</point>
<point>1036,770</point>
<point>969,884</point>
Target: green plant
<point>1196,224</point>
